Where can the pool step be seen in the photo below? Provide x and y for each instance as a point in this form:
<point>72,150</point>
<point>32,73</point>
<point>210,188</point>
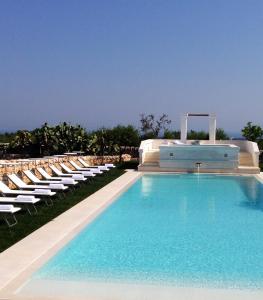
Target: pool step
<point>245,159</point>
<point>248,170</point>
<point>152,156</point>
<point>154,167</point>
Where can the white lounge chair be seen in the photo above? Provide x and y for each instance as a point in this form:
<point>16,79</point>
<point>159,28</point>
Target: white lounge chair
<point>69,171</point>
<point>45,175</point>
<point>23,186</point>
<point>7,210</point>
<point>86,165</point>
<point>78,168</point>
<point>7,191</point>
<point>24,200</point>
<point>103,168</point>
<point>77,177</point>
<point>36,180</point>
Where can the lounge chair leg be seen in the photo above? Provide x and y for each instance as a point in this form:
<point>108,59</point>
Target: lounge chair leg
<point>30,212</point>
<point>62,195</point>
<point>11,224</point>
<point>49,203</point>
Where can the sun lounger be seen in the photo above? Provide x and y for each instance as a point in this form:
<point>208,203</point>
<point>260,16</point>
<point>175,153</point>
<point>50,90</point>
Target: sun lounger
<point>7,191</point>
<point>77,177</point>
<point>84,173</point>
<point>36,180</point>
<point>22,200</point>
<point>7,210</point>
<point>103,168</point>
<point>23,186</point>
<point>78,168</point>
<point>110,165</point>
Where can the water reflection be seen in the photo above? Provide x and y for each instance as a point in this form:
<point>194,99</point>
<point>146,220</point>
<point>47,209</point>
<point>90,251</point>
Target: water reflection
<point>253,191</point>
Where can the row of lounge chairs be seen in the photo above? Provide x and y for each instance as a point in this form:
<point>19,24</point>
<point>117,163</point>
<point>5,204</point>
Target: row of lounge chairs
<point>27,195</point>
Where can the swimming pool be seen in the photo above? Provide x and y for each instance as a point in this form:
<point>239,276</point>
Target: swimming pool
<point>184,230</point>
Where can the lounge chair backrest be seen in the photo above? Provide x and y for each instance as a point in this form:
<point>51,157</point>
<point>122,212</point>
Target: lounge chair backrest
<point>4,188</point>
<point>74,165</point>
<point>17,181</point>
<point>56,170</point>
<point>83,162</point>
<point>44,173</point>
<point>66,168</point>
<point>31,176</point>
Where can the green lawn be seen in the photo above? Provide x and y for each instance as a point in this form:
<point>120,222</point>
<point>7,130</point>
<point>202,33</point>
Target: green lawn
<point>261,166</point>
<point>27,224</point>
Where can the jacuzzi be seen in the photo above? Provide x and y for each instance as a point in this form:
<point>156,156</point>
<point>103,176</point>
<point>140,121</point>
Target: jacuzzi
<point>206,156</point>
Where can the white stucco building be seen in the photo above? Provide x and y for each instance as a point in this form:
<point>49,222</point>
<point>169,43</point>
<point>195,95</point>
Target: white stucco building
<point>216,156</point>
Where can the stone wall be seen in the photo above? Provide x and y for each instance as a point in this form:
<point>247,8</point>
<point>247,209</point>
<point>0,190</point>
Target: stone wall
<point>18,166</point>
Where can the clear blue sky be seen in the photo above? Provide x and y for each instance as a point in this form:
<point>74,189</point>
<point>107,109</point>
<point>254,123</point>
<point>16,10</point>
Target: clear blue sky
<point>101,63</point>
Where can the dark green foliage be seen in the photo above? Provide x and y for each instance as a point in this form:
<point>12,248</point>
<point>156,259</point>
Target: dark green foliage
<point>49,140</point>
<point>221,135</point>
<point>171,134</point>
<point>64,137</point>
<point>22,141</point>
<point>202,135</point>
<point>132,164</point>
<point>197,135</point>
<point>61,138</point>
<point>101,142</point>
<point>7,137</point>
<point>260,144</point>
<point>252,132</point>
<point>124,137</point>
<point>27,224</point>
<point>113,141</point>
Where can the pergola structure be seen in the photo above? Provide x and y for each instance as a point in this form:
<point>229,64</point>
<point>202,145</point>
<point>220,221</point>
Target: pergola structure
<point>212,125</point>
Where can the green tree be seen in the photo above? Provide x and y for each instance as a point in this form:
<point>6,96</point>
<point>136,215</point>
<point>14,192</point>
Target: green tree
<point>252,132</point>
<point>221,134</point>
<point>7,137</point>
<point>21,142</point>
<point>152,127</point>
<point>197,135</point>
<point>125,137</point>
<point>168,134</point>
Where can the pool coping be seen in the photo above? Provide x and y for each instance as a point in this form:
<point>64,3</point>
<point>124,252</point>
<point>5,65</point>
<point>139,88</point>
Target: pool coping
<point>20,260</point>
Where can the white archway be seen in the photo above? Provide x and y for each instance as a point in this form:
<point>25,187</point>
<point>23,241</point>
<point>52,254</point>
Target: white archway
<point>212,125</point>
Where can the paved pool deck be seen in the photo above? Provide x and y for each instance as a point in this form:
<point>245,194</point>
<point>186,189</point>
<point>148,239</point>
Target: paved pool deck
<point>19,261</point>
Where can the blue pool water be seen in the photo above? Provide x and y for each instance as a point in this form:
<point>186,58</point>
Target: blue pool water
<point>204,230</point>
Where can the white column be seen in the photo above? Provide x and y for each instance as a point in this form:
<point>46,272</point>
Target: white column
<point>183,128</point>
<point>212,128</point>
